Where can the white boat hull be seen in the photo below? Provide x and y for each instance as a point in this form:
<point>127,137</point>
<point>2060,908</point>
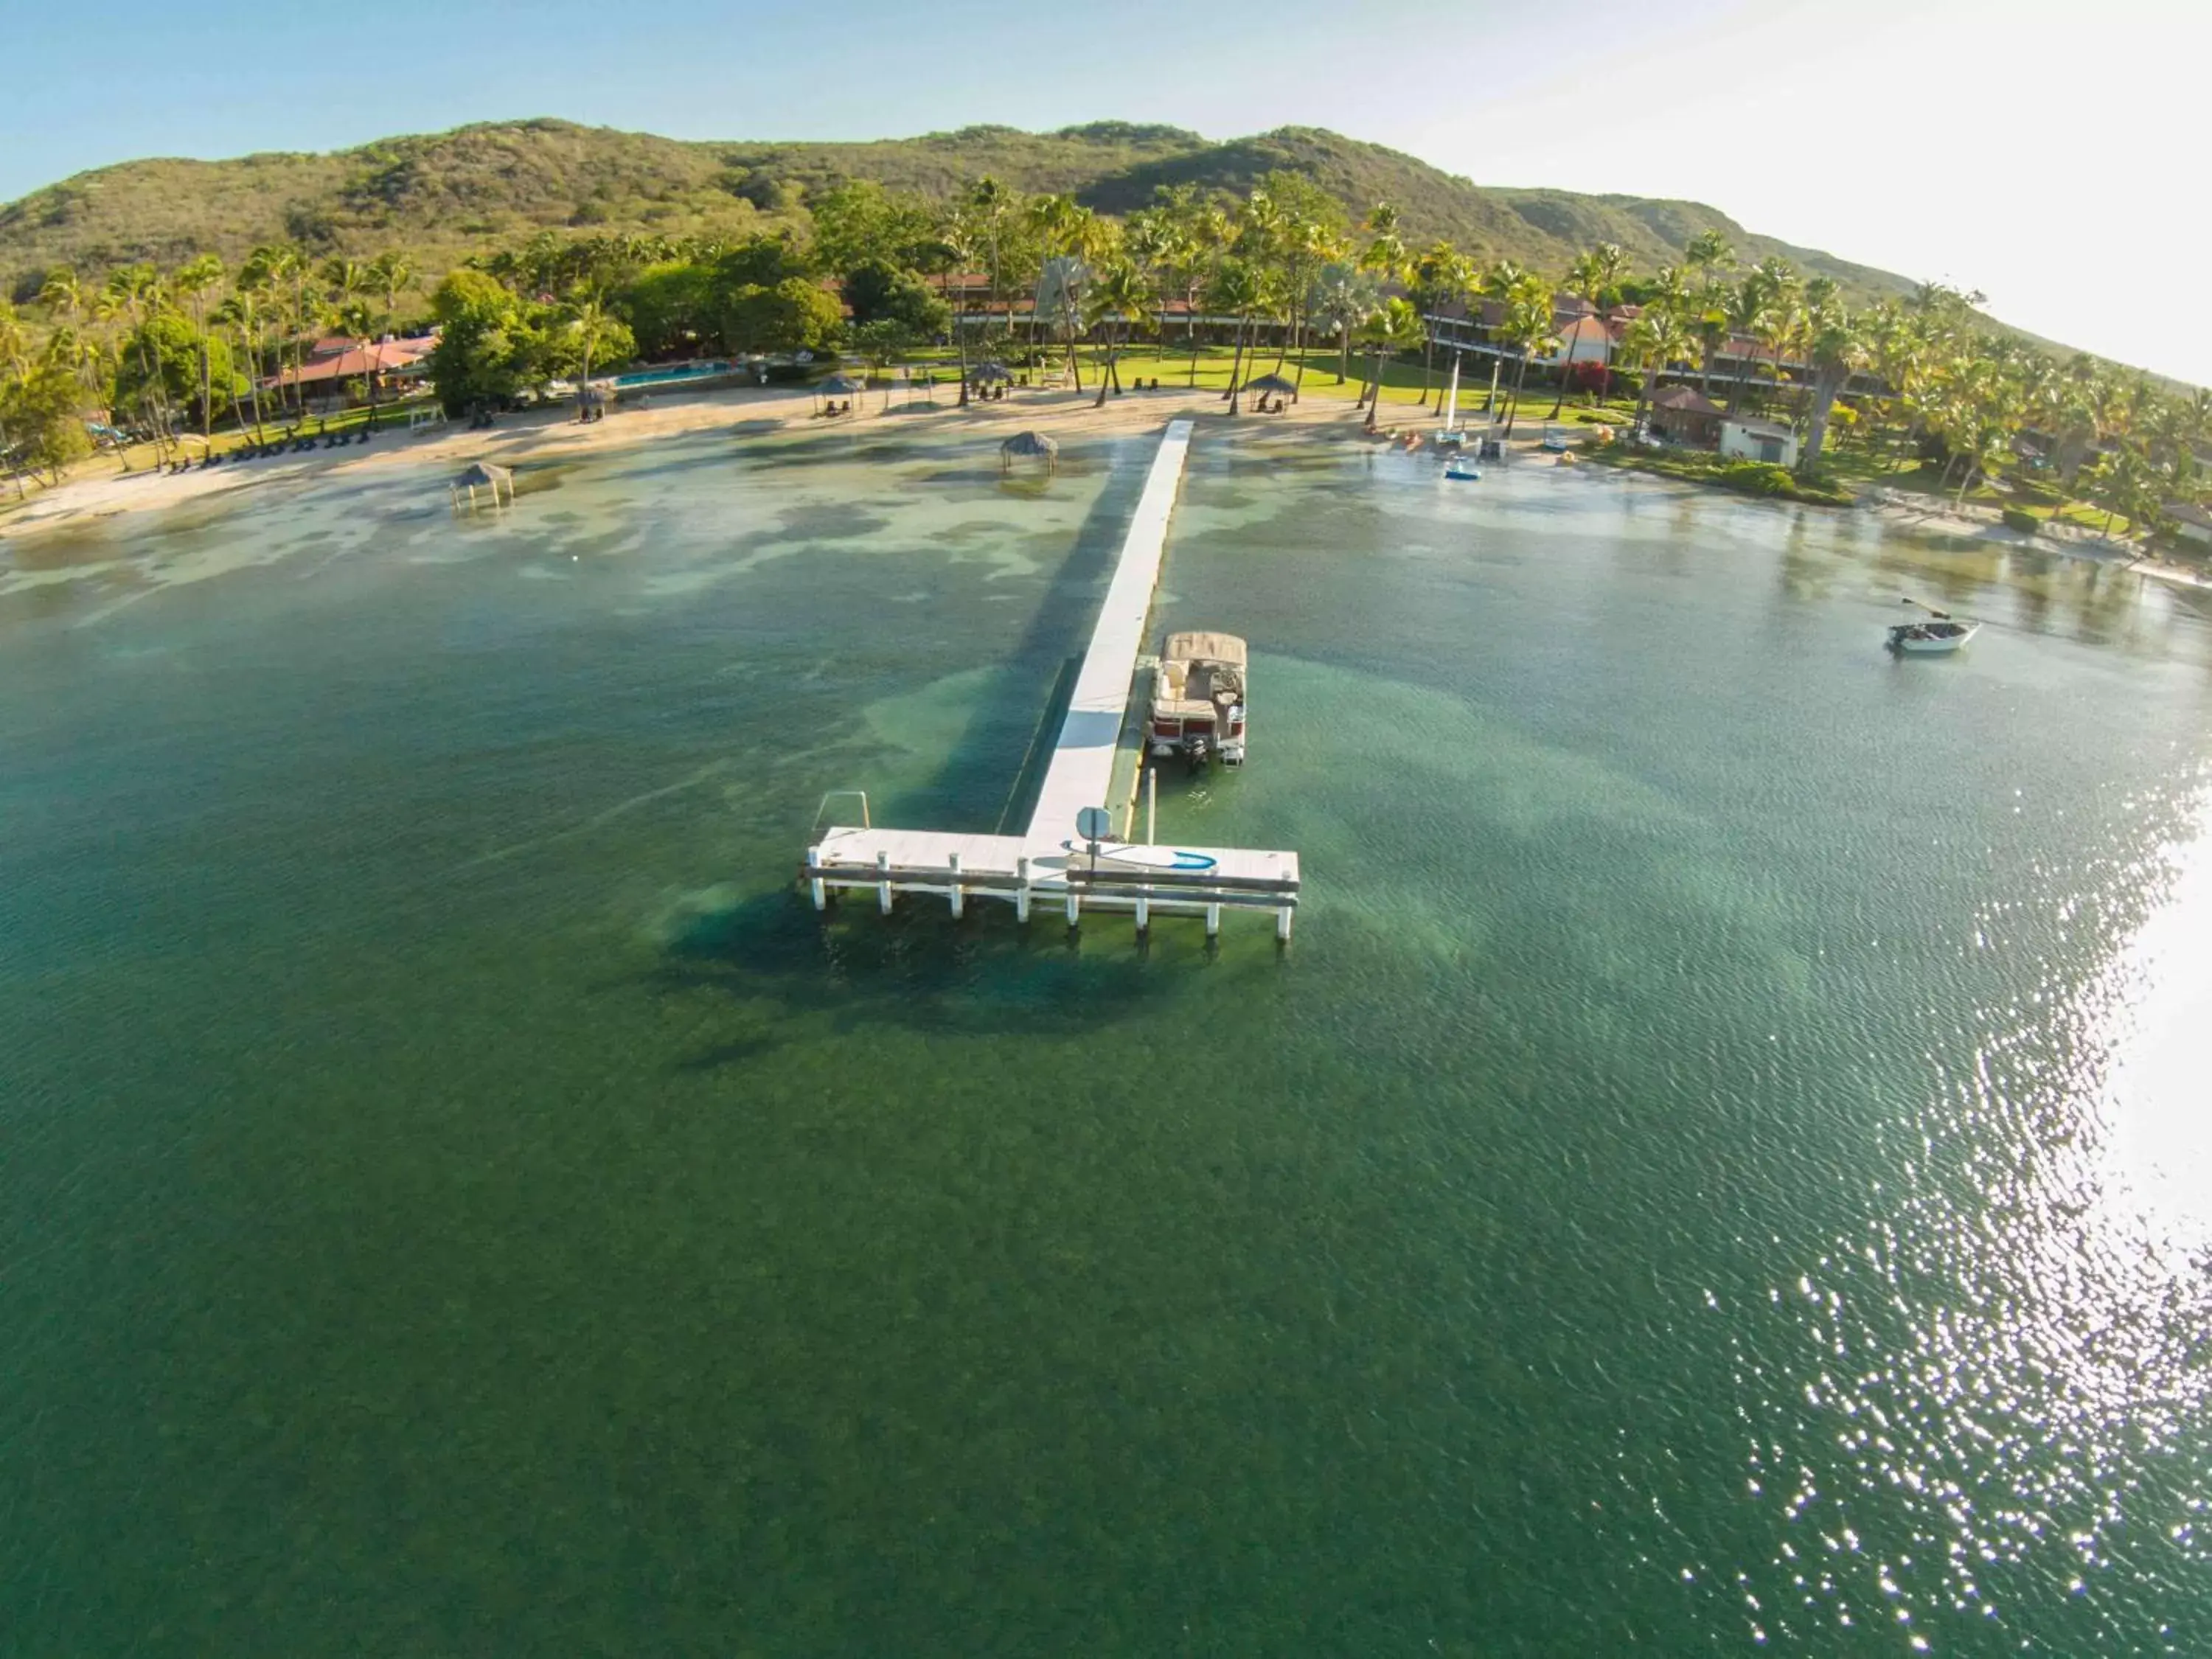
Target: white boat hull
<point>1933,646</point>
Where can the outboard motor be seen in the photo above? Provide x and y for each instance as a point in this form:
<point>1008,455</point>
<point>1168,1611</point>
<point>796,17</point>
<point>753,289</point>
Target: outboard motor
<point>1228,714</point>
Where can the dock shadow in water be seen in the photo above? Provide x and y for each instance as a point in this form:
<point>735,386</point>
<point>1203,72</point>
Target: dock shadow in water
<point>916,968</point>
<point>1016,720</point>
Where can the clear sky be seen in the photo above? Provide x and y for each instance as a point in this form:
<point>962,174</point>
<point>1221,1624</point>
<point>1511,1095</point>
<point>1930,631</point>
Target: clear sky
<point>2048,154</point>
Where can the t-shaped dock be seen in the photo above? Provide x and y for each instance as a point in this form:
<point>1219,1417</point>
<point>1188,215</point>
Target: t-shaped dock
<point>1037,863</point>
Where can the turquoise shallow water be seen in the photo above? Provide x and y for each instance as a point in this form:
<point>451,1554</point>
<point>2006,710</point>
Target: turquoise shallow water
<point>1723,1166</point>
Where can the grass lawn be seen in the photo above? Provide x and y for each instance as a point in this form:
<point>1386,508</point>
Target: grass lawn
<point>1402,388</point>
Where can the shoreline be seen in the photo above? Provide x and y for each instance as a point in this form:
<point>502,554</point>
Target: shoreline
<point>553,434</point>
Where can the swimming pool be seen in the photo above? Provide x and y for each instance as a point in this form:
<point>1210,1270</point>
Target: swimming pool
<point>677,372</point>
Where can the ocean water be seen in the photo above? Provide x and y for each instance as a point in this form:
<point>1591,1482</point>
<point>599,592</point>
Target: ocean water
<point>1724,1165</point>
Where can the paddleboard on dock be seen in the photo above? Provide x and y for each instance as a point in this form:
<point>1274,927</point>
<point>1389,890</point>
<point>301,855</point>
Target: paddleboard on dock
<point>1152,858</point>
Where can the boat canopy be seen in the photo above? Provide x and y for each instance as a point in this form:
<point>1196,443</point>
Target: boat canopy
<point>1202,647</point>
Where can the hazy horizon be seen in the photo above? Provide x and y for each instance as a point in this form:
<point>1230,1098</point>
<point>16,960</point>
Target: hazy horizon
<point>1940,141</point>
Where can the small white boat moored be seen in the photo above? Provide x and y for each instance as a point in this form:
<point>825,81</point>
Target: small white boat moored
<point>1937,637</point>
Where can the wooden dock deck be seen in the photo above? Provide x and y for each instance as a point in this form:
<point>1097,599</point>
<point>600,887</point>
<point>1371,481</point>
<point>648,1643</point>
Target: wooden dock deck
<point>1037,864</point>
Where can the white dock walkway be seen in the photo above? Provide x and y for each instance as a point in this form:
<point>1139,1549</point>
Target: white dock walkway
<point>1081,771</point>
<point>1037,864</point>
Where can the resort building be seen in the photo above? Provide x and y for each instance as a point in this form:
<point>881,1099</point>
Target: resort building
<point>2191,522</point>
<point>1684,415</point>
<point>332,365</point>
<point>1587,338</point>
<point>1758,441</point>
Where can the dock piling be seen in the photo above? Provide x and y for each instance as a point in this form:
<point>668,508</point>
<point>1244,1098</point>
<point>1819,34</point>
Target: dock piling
<point>958,897</point>
<point>1213,921</point>
<point>814,882</point>
<point>883,882</point>
<point>1282,925</point>
<point>1022,891</point>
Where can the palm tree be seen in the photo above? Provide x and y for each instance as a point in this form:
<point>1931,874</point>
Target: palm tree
<point>1385,256</point>
<point>305,317</point>
<point>391,274</point>
<point>1779,326</point>
<point>1667,290</point>
<point>1175,266</point>
<point>1708,259</point>
<point>1441,274</point>
<point>1654,340</point>
<point>1149,241</point>
<point>1053,218</point>
<point>64,294</point>
<point>1237,290</point>
<point>1528,328</point>
<point>133,296</point>
<point>1122,294</point>
<point>1397,327</point>
<point>1763,310</point>
<point>15,359</point>
<point>987,208</point>
<point>1834,348</point>
<point>349,287</point>
<point>1593,276</point>
<point>958,231</point>
<point>235,314</point>
<point>254,290</point>
<point>585,314</point>
<point>191,282</point>
<point>1341,298</point>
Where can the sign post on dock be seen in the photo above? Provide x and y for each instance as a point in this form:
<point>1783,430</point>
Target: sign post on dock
<point>1094,824</point>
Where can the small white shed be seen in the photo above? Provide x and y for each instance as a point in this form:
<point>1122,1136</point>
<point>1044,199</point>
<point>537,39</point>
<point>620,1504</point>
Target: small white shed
<point>1758,440</point>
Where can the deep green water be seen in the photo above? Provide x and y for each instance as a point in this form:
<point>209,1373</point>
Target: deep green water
<point>1725,1161</point>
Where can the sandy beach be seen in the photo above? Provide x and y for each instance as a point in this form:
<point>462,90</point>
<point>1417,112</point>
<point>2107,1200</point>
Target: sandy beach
<point>553,434</point>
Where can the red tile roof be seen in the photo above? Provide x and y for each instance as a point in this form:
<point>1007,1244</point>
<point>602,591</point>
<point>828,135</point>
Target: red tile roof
<point>1586,327</point>
<point>352,359</point>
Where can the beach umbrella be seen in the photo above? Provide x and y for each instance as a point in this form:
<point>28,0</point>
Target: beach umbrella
<point>1025,446</point>
<point>482,475</point>
<point>1270,383</point>
<point>826,392</point>
<point>984,374</point>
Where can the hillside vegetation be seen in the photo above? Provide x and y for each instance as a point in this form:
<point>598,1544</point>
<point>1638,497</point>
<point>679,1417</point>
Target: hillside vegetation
<point>444,195</point>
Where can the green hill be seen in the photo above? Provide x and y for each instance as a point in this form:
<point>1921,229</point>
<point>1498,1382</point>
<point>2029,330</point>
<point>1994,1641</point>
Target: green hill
<point>442,196</point>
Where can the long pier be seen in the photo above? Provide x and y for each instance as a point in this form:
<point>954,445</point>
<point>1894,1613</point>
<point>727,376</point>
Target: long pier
<point>1037,865</point>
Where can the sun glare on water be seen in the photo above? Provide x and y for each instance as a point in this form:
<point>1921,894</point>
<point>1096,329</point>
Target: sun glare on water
<point>2157,1095</point>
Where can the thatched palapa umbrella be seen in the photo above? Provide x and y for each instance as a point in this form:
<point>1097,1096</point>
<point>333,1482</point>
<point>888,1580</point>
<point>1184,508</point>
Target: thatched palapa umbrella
<point>837,385</point>
<point>1269,383</point>
<point>1028,446</point>
<point>482,475</point>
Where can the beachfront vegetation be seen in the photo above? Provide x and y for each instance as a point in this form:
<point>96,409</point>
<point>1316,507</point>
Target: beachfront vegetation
<point>1305,292</point>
